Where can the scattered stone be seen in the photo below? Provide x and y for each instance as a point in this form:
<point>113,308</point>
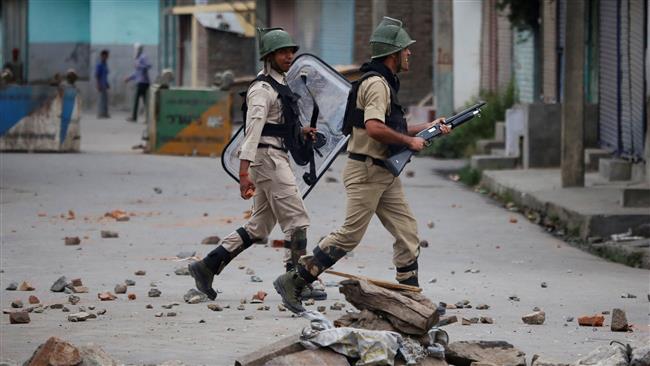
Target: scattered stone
<point>241,307</point>
<point>34,300</point>
<point>410,174</point>
<point>182,271</point>
<point>619,321</point>
<point>243,301</point>
<point>82,308</point>
<point>248,317</point>
<point>72,240</point>
<point>486,352</point>
<point>310,302</point>
<point>55,351</point>
<point>331,180</point>
<point>158,315</point>
<point>154,292</point>
<point>536,318</point>
<point>536,308</point>
<point>80,289</point>
<point>447,320</point>
<point>107,234</point>
<point>628,296</point>
<point>513,298</point>
<point>544,285</point>
<point>451,306</point>
<point>25,286</point>
<point>158,190</point>
<point>256,279</point>
<point>474,320</point>
<point>464,321</point>
<point>106,296</point>
<point>539,361</point>
<point>171,313</point>
<point>65,309</point>
<point>321,309</point>
<point>186,254</point>
<point>433,280</point>
<point>215,307</point>
<point>259,296</point>
<point>17,304</point>
<point>13,286</point>
<point>73,300</point>
<point>430,224</point>
<point>591,321</point>
<point>131,296</point>
<point>192,294</point>
<point>91,307</point>
<point>487,320</point>
<point>424,244</point>
<point>78,317</point>
<point>140,273</point>
<point>129,282</point>
<point>569,319</point>
<point>250,271</point>
<point>605,312</point>
<point>211,240</point>
<point>149,306</point>
<point>281,307</point>
<point>120,288</point>
<point>39,309</point>
<point>337,306</point>
<point>59,284</point>
<point>76,282</point>
<point>482,306</point>
<point>56,306</point>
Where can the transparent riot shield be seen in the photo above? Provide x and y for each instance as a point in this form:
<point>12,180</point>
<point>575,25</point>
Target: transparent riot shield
<point>312,79</point>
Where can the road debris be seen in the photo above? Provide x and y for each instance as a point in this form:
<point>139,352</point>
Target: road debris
<point>211,240</point>
<point>591,320</point>
<point>107,234</point>
<point>535,318</point>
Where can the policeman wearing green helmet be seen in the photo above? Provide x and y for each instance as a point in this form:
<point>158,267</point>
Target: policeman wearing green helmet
<point>377,127</point>
<point>265,173</point>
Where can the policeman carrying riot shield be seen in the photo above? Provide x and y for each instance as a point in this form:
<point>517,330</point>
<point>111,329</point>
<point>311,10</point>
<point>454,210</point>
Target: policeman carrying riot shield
<point>271,130</point>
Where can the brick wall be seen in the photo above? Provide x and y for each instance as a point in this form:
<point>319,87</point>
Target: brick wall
<point>362,30</point>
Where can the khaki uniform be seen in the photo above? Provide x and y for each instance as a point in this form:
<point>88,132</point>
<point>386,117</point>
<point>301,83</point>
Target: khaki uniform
<point>277,198</point>
<point>370,189</point>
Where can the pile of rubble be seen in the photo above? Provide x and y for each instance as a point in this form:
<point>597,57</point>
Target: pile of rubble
<point>404,328</point>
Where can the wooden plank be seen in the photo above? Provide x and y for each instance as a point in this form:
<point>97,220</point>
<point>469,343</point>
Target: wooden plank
<point>376,282</point>
<point>237,6</point>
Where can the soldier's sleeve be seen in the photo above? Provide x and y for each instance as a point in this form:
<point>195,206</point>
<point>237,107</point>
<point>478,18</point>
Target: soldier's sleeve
<point>259,102</point>
<point>376,96</point>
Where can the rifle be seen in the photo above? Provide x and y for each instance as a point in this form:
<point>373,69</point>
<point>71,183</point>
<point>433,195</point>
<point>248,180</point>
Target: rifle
<point>396,163</point>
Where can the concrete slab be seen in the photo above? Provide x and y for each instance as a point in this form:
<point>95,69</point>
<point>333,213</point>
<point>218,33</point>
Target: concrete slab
<point>594,210</point>
<point>635,197</point>
<point>592,157</point>
<point>614,169</point>
<point>492,162</point>
<point>484,146</point>
<point>500,131</point>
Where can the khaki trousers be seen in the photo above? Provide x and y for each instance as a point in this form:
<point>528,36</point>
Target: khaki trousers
<point>371,190</point>
<point>276,200</point>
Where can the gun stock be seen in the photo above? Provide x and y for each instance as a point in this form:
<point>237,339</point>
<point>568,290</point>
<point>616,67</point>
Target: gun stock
<point>396,163</point>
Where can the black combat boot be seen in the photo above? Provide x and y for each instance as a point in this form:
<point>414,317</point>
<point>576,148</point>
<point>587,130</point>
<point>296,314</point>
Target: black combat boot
<point>203,277</point>
<point>290,286</point>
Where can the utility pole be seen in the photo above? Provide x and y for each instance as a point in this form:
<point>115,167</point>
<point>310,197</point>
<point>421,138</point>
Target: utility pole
<point>573,105</point>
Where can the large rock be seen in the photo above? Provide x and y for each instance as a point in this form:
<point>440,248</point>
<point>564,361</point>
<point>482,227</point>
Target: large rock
<point>19,317</point>
<point>536,318</point>
<point>93,355</point>
<point>318,357</point>
<point>640,356</point>
<point>192,294</point>
<point>497,352</point>
<point>619,321</point>
<point>55,352</point>
<point>608,355</point>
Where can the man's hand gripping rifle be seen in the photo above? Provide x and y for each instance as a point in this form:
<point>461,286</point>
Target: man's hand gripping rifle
<point>396,163</point>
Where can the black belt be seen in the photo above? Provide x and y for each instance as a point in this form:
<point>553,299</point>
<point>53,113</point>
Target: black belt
<point>272,147</point>
<point>361,157</point>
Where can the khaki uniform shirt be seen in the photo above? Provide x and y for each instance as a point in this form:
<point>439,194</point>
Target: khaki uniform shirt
<point>264,106</point>
<point>374,98</point>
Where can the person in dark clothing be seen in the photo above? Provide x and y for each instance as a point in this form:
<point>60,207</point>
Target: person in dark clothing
<point>141,77</point>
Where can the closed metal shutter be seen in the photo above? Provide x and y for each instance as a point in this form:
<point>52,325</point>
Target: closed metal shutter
<point>608,82</point>
<point>633,128</point>
<point>337,32</point>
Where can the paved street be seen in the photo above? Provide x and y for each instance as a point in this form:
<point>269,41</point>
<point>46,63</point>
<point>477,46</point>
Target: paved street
<point>198,199</point>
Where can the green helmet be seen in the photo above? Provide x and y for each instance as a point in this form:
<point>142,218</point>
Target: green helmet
<point>388,38</point>
<point>273,39</point>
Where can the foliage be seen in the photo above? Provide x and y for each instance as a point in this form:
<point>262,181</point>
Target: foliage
<point>469,176</point>
<point>522,14</point>
<point>461,141</point>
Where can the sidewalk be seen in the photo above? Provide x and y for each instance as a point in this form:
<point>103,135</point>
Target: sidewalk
<point>592,213</point>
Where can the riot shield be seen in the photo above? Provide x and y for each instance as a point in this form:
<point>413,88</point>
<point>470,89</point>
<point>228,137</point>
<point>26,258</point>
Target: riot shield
<point>312,79</point>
